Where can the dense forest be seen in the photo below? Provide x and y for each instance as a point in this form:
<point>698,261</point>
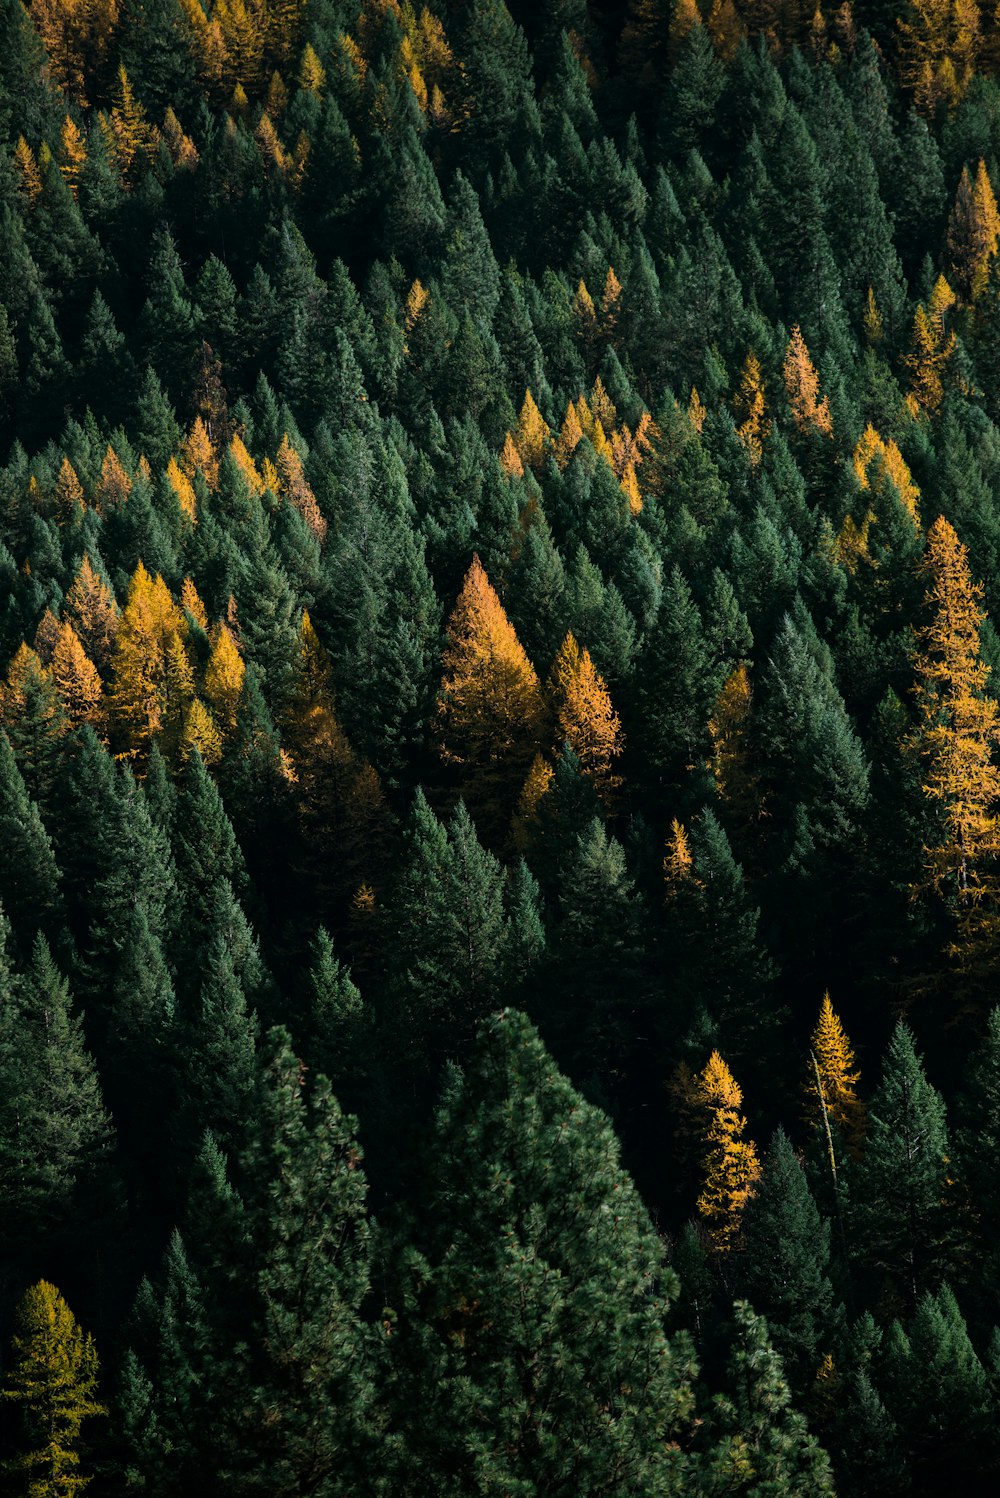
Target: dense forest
<point>500,753</point>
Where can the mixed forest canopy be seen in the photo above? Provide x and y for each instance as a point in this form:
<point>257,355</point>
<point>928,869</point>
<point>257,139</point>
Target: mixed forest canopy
<point>499,748</point>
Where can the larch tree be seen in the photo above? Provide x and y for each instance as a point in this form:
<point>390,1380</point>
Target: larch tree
<point>932,347</point>
<point>92,610</point>
<point>973,232</point>
<point>52,1380</point>
<point>802,388</point>
<point>730,1166</point>
<point>150,672</point>
<point>584,716</point>
<point>751,406</point>
<point>491,712</point>
<point>956,738</point>
<point>831,1086</point>
<point>76,678</point>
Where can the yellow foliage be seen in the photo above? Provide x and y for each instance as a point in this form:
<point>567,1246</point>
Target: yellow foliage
<point>246,465</point>
<point>873,325</point>
<point>892,465</point>
<point>696,411</point>
<point>838,1079</point>
<point>510,458</point>
<point>850,548</point>
<point>729,730</point>
<point>150,672</point>
<point>957,737</point>
<point>730,1165</point>
<point>91,608</point>
<point>931,348</point>
<point>973,232</point>
<point>725,28</point>
<point>570,436</point>
<point>70,504</point>
<point>224,675</point>
<point>678,860</point>
<point>939,43</point>
<point>584,717</point>
<point>199,731</point>
<point>27,166</point>
<point>312,75</point>
<point>490,710</point>
<point>533,792</point>
<point>199,455</point>
<point>52,1377</point>
<point>292,486</point>
<point>76,678</point>
<point>751,405</point>
<point>802,387</point>
<point>114,485</point>
<point>611,298</point>
<point>191,602</point>
<point>25,672</point>
<point>181,148</point>
<point>184,489</point>
<point>533,435</point>
<point>77,36</point>
<point>602,407</point>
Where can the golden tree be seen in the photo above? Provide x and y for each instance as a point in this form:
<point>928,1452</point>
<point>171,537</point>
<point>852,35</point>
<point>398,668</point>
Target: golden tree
<point>875,460</point>
<point>293,486</point>
<point>730,1165</point>
<point>70,503</point>
<point>973,232</point>
<point>150,672</point>
<point>114,485</point>
<point>491,715</point>
<point>533,436</point>
<point>931,348</point>
<point>93,612</point>
<point>584,716</point>
<point>939,43</point>
<point>752,407</point>
<point>52,1379</point>
<point>729,732</point>
<point>831,1087</point>
<point>76,678</point>
<point>802,387</point>
<point>956,737</point>
<point>224,675</point>
<point>77,35</point>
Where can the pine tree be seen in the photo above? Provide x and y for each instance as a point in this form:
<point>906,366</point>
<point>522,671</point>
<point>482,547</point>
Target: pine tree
<point>784,1267</point>
<point>53,1382</point>
<point>973,233</point>
<point>533,1295</point>
<point>903,1228</point>
<point>55,1136</point>
<point>956,735</point>
<point>760,1443</point>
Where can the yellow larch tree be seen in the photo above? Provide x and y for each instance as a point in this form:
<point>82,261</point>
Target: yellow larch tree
<point>730,1165</point>
<point>729,733</point>
<point>526,816</point>
<point>27,169</point>
<point>149,679</point>
<point>198,455</point>
<point>184,489</point>
<point>192,603</point>
<point>312,74</point>
<point>570,436</point>
<point>956,738</point>
<point>114,485</point>
<point>832,1080</point>
<point>76,678</point>
<point>491,715</point>
<point>93,611</point>
<point>890,464</point>
<point>52,1379</point>
<point>533,436</point>
<point>725,28</point>
<point>72,154</point>
<point>802,388</point>
<point>939,43</point>
<point>931,348</point>
<point>246,465</point>
<point>751,406</point>
<point>224,673</point>
<point>27,678</point>
<point>293,486</point>
<point>973,232</point>
<point>77,36</point>
<point>180,147</point>
<point>70,503</point>
<point>128,135</point>
<point>678,860</point>
<point>584,717</point>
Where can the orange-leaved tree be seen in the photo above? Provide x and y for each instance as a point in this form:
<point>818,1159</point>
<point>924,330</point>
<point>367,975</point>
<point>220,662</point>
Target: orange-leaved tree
<point>956,737</point>
<point>491,715</point>
<point>584,716</point>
